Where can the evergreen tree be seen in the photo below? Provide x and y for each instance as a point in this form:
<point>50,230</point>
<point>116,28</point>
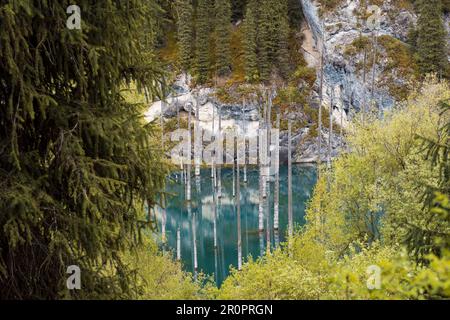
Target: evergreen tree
<point>273,36</point>
<point>202,41</point>
<point>431,51</point>
<point>250,41</point>
<point>295,13</point>
<point>283,38</point>
<point>238,9</point>
<point>223,21</point>
<point>446,6</point>
<point>422,240</point>
<point>267,41</point>
<point>185,19</point>
<point>75,158</point>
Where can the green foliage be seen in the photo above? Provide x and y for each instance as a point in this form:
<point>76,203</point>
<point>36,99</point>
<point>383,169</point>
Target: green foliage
<point>158,277</point>
<point>75,156</point>
<point>282,54</point>
<point>273,277</point>
<point>361,214</point>
<point>446,6</point>
<point>273,37</point>
<point>223,26</point>
<point>400,63</point>
<point>399,68</point>
<point>266,38</point>
<point>202,41</point>
<point>265,46</point>
<point>436,196</point>
<point>379,184</point>
<point>238,9</point>
<point>328,5</point>
<point>184,11</point>
<point>295,13</point>
<point>431,44</point>
<point>250,42</point>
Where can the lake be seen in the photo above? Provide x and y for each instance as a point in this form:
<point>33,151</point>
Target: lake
<point>199,224</point>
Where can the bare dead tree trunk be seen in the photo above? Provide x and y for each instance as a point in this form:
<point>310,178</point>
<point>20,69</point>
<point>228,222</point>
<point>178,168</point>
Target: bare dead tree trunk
<point>188,173</point>
<point>375,53</point>
<point>163,200</point>
<point>234,169</point>
<point>215,216</point>
<point>330,133</point>
<point>238,205</point>
<point>290,218</point>
<point>194,240</point>
<point>341,129</point>
<point>220,156</point>
<point>214,136</point>
<point>268,219</point>
<point>197,138</point>
<point>319,133</point>
<point>261,198</point>
<point>364,107</point>
<point>276,213</point>
<point>245,139</point>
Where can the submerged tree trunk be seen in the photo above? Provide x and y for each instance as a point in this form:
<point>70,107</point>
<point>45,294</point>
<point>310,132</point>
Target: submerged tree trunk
<point>215,216</point>
<point>197,138</point>
<point>194,240</point>
<point>188,169</point>
<point>238,205</point>
<point>268,219</point>
<point>244,120</point>
<point>261,147</point>
<point>234,165</point>
<point>290,218</point>
<point>213,156</point>
<point>163,198</point>
<point>178,244</point>
<point>277,178</point>
<point>341,129</point>
<point>220,157</point>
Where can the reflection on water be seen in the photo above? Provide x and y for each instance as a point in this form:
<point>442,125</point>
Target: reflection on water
<point>199,224</point>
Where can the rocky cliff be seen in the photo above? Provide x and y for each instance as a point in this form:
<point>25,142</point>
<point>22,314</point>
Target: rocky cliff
<point>367,65</point>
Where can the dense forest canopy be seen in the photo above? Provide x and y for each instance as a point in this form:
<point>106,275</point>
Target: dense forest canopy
<point>76,159</point>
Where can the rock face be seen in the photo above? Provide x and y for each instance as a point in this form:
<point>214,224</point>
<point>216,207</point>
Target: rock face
<point>245,119</point>
<point>335,31</point>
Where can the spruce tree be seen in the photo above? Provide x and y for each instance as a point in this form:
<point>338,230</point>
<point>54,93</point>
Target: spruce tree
<point>295,13</point>
<point>185,19</point>
<point>223,21</point>
<point>238,9</point>
<point>202,40</point>
<point>267,34</point>
<point>250,41</point>
<point>75,157</point>
<point>273,36</point>
<point>431,48</point>
<point>282,54</point>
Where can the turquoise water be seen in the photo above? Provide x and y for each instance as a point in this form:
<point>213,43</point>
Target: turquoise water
<point>217,261</point>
